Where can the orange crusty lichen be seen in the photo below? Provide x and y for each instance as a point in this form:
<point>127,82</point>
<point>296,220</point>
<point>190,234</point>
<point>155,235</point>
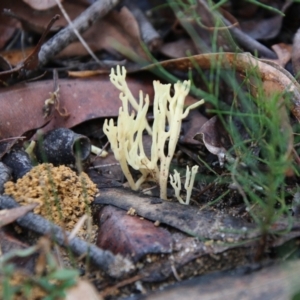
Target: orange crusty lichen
<point>62,195</point>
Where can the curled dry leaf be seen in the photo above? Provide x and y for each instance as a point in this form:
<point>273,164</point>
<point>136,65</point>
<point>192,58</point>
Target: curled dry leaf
<point>124,234</point>
<point>41,5</point>
<point>284,53</point>
<point>22,105</point>
<point>213,138</point>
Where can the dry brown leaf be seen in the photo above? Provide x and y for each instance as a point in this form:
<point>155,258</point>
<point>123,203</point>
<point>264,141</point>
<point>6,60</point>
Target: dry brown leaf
<point>213,136</point>
<point>129,235</point>
<point>284,53</point>
<point>22,105</point>
<point>41,5</point>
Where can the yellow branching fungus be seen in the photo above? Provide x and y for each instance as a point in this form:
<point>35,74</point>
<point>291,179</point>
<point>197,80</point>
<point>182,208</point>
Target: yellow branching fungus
<point>126,137</point>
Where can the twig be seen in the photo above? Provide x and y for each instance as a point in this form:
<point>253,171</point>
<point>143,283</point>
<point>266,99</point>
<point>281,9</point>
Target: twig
<point>67,35</point>
<point>249,43</point>
<point>114,265</point>
<point>148,33</point>
<point>83,42</point>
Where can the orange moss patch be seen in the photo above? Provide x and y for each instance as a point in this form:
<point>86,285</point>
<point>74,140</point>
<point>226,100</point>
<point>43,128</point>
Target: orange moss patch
<point>62,195</point>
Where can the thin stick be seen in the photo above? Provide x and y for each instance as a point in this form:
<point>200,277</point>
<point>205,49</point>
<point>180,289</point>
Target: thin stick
<point>114,265</point>
<point>250,43</point>
<point>67,35</point>
<point>80,38</point>
<point>148,33</point>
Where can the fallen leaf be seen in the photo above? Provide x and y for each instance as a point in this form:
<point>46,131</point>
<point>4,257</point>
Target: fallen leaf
<point>129,235</point>
<point>284,53</point>
<point>22,105</point>
<point>213,135</point>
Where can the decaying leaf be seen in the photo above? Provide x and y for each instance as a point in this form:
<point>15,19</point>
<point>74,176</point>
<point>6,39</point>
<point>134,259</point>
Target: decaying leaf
<point>130,235</point>
<point>284,53</point>
<point>22,105</point>
<point>213,135</point>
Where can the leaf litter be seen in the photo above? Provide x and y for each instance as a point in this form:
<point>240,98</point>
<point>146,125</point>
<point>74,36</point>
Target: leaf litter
<point>162,242</point>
